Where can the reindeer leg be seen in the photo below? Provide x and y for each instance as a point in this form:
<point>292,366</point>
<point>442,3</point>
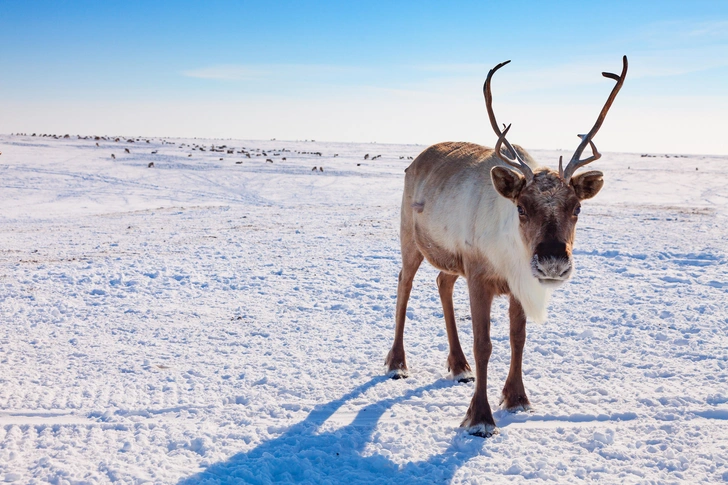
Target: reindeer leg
<point>514,394</point>
<point>411,259</point>
<point>457,364</point>
<point>479,418</point>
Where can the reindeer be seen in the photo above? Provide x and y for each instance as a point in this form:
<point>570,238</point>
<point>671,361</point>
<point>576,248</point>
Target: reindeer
<point>508,232</point>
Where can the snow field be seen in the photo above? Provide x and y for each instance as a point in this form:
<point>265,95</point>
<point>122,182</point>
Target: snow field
<point>205,321</point>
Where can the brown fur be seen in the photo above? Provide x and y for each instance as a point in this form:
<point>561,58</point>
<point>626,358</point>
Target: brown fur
<point>438,257</point>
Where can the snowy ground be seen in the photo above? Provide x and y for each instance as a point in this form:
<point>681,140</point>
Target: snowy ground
<point>204,321</point>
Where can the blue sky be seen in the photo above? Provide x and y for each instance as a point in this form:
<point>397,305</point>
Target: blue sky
<point>408,72</point>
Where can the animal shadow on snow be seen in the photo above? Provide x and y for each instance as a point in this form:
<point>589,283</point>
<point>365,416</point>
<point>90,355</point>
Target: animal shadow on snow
<point>305,455</point>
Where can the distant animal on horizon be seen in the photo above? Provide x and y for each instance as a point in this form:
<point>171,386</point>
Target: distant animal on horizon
<point>507,225</point>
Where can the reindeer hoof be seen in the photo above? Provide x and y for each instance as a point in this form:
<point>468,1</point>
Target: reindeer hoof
<point>395,365</point>
<point>465,376</point>
<point>483,430</point>
<point>396,374</point>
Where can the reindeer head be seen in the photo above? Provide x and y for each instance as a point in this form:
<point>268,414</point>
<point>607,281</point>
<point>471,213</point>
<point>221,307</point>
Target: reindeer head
<point>548,202</point>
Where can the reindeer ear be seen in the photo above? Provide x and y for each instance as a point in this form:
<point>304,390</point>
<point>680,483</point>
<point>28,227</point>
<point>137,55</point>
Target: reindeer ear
<point>587,184</point>
<point>507,182</point>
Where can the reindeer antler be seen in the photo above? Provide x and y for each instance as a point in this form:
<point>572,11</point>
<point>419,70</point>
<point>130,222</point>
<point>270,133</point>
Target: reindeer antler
<point>575,163</point>
<point>516,162</point>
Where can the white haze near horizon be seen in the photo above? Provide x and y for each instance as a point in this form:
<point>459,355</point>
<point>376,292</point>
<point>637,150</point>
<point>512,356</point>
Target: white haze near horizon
<point>691,124</point>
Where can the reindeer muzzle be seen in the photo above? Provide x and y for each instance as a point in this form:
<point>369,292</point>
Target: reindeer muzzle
<point>551,262</point>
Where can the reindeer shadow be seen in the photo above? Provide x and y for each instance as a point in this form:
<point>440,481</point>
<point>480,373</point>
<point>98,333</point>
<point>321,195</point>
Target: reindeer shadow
<point>304,455</point>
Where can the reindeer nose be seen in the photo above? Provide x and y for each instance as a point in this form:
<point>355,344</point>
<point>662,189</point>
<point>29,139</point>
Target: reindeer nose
<point>551,249</point>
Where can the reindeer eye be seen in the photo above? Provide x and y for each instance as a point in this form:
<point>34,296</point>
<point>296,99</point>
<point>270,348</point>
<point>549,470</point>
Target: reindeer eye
<point>521,212</point>
<point>577,210</point>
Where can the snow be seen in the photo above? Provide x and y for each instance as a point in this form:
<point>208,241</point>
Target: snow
<point>204,321</point>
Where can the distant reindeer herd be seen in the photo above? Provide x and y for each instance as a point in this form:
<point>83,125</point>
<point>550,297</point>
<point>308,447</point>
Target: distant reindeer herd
<point>507,225</point>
